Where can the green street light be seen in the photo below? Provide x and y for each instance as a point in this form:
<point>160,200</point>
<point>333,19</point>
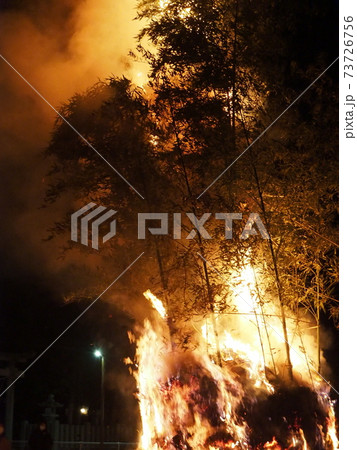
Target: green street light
<point>98,354</point>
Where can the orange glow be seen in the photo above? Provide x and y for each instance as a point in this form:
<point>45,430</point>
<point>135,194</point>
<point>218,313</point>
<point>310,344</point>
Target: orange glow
<point>171,381</point>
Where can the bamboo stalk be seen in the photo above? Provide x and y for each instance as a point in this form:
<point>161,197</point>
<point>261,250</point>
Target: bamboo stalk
<point>264,321</point>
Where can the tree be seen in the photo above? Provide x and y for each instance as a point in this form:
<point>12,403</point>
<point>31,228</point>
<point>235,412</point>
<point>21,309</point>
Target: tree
<point>212,92</point>
<point>212,73</point>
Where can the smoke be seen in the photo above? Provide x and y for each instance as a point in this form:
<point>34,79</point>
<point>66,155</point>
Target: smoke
<point>61,48</point>
<point>64,48</point>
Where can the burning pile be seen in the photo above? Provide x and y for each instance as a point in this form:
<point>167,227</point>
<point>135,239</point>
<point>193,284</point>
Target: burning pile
<point>189,401</point>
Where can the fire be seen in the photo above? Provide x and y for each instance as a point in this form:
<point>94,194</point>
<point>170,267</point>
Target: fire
<point>163,4</point>
<point>140,79</point>
<point>259,321</point>
<point>185,12</point>
<point>272,445</point>
<point>233,349</point>
<point>187,407</point>
<point>301,432</point>
<point>156,303</point>
<point>189,401</point>
<point>331,427</point>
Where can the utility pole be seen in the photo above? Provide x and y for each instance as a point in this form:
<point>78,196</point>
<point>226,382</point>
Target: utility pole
<point>99,354</point>
<point>102,404</point>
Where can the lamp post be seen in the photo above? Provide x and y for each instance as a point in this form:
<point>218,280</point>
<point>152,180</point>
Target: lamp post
<point>83,412</point>
<point>98,354</point>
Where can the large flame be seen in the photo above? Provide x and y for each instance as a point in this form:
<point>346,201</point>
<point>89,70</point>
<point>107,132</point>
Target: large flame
<point>188,401</point>
<point>156,303</point>
<point>172,400</point>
